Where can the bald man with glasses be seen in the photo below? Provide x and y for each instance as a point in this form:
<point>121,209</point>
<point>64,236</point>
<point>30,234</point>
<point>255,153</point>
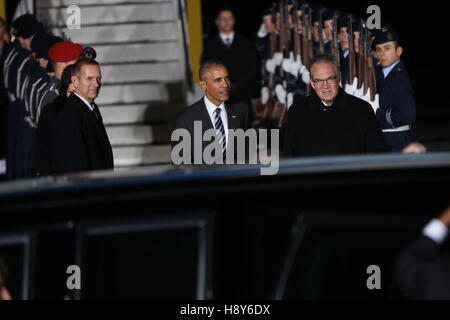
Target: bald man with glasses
<point>330,121</point>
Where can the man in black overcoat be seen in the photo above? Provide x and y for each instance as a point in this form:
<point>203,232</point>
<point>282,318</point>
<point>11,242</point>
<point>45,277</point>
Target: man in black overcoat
<point>330,121</point>
<point>82,143</point>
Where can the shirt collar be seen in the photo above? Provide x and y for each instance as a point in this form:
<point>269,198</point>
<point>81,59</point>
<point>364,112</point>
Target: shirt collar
<point>229,36</point>
<point>388,69</point>
<point>211,107</point>
<point>85,102</point>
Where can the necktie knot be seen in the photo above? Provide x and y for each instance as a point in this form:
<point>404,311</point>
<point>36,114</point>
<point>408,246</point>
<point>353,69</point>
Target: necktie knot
<point>217,111</point>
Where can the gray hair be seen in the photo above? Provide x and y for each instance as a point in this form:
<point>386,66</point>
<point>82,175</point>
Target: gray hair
<point>325,58</point>
<point>208,65</point>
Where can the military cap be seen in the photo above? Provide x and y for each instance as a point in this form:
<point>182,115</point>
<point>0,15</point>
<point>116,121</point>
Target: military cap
<point>316,14</point>
<point>41,44</point>
<point>387,33</point>
<point>89,52</point>
<point>26,25</point>
<point>342,21</point>
<point>65,51</point>
<point>357,25</point>
<point>328,15</point>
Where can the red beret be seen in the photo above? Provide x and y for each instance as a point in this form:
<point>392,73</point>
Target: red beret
<point>65,51</point>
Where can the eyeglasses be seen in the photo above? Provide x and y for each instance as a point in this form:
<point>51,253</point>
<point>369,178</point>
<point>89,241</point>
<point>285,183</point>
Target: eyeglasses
<point>320,82</point>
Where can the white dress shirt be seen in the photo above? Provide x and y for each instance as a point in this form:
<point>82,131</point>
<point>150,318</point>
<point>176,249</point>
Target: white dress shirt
<point>86,102</point>
<point>227,36</point>
<point>211,108</point>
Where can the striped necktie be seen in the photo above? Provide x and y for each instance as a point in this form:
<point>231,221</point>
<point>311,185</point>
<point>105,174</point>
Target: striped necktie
<point>220,131</point>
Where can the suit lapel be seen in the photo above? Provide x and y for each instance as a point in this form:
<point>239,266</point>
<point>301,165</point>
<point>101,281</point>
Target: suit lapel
<point>232,117</point>
<point>204,117</point>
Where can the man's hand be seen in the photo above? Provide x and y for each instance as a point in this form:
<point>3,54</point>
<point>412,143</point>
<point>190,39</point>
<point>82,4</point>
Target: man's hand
<point>414,147</point>
<point>445,217</point>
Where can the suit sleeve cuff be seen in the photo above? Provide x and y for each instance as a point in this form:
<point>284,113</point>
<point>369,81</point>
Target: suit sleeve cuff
<point>436,231</point>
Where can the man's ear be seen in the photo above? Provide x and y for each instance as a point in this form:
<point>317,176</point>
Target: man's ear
<point>74,80</point>
<point>399,51</point>
<point>202,85</point>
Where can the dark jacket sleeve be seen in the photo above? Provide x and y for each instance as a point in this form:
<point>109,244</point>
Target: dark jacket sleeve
<point>288,136</point>
<point>375,141</point>
<point>398,107</point>
<point>71,154</point>
<point>413,267</point>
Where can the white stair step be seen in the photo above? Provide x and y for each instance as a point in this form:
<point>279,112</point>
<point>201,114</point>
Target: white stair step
<point>140,72</point>
<point>139,113</point>
<point>132,93</point>
<point>141,155</point>
<point>138,134</point>
<point>107,14</point>
<point>65,3</point>
<point>163,51</point>
<point>130,135</point>
<point>164,31</point>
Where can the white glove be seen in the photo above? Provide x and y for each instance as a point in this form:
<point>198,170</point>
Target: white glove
<point>270,65</point>
<point>299,60</point>
<point>278,58</point>
<point>295,66</point>
<point>305,77</point>
<point>351,88</point>
<point>286,65</point>
<point>264,95</point>
<point>367,96</point>
<point>262,31</point>
<point>359,93</point>
<point>376,103</point>
<point>290,99</point>
<point>281,93</point>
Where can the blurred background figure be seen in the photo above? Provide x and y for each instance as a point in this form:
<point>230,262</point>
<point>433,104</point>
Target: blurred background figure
<point>4,293</point>
<point>423,269</point>
<point>239,55</point>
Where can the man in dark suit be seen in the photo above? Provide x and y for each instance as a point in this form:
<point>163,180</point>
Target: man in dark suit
<point>423,269</point>
<point>330,121</point>
<point>212,111</point>
<point>82,143</point>
<point>239,55</point>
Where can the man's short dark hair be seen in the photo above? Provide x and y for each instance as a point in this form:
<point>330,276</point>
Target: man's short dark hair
<point>208,65</point>
<point>222,9</point>
<point>83,62</point>
<point>325,58</point>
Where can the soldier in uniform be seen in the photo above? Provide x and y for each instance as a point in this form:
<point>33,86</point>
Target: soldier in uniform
<point>21,72</point>
<point>60,54</point>
<point>397,108</point>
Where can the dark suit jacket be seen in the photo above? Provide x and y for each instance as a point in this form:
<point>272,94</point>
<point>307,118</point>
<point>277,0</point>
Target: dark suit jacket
<point>349,126</point>
<point>423,270</point>
<point>82,143</point>
<point>237,115</point>
<point>242,63</point>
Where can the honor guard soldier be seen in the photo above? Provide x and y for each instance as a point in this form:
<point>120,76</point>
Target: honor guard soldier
<point>20,72</point>
<point>61,54</point>
<point>397,108</point>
